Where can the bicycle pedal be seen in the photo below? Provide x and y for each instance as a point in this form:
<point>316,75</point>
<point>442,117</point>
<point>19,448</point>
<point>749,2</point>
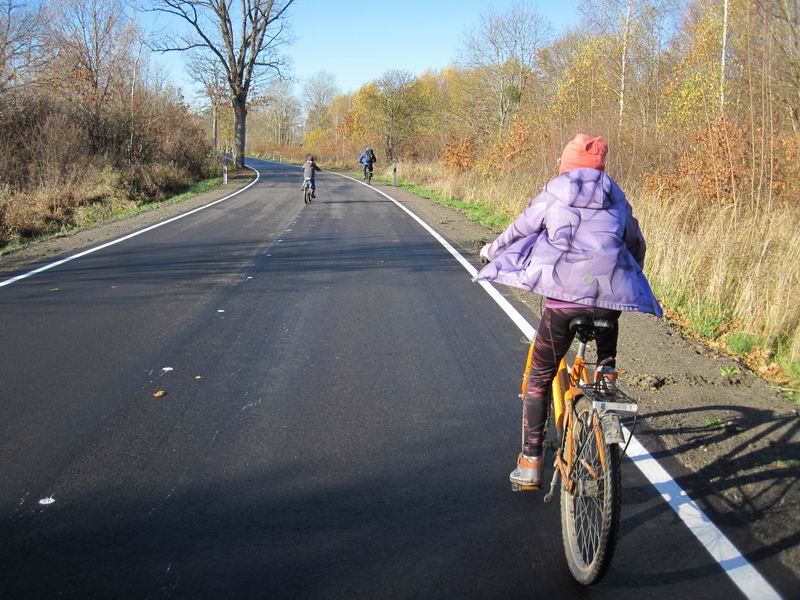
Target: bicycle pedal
<point>519,487</point>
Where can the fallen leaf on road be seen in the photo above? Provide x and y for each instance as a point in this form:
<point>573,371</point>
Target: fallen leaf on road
<point>166,369</point>
<point>159,394</point>
<point>198,376</point>
<point>48,500</point>
<point>220,310</point>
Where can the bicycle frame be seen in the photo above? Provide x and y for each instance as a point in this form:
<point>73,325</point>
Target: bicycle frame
<point>587,452</point>
<point>565,390</point>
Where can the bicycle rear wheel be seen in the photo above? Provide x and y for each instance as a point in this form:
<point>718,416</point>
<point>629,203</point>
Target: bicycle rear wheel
<point>590,513</point>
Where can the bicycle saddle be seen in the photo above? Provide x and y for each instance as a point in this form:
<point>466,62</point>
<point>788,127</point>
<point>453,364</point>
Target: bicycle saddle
<point>586,329</point>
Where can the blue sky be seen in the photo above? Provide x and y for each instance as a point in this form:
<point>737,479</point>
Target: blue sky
<point>359,40</point>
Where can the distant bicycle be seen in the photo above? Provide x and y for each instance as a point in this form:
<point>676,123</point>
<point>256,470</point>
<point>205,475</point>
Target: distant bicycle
<point>306,191</point>
<point>368,160</point>
<point>587,455</point>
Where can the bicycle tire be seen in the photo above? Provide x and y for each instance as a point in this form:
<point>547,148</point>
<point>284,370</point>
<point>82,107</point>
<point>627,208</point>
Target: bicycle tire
<point>369,178</point>
<point>589,547</point>
<point>307,195</point>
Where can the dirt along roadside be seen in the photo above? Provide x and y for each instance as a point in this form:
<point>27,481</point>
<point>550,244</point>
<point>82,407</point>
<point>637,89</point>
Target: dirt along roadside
<point>731,440</point>
<point>36,252</point>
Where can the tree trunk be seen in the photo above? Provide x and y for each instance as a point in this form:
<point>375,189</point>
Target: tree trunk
<point>239,128</point>
<point>722,59</point>
<point>215,127</point>
<point>625,35</point>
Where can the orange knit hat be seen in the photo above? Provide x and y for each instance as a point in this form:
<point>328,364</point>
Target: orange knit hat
<point>584,151</point>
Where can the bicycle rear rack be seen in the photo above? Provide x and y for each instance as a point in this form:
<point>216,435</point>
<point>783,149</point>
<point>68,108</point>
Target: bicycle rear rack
<point>606,397</point>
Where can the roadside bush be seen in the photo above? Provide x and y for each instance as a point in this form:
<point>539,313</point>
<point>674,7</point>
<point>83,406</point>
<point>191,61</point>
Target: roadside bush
<point>68,163</point>
<point>154,182</point>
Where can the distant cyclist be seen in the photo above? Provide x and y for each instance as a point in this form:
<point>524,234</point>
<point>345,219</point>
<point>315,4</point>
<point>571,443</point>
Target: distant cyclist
<point>578,245</point>
<point>367,159</point>
<point>309,167</point>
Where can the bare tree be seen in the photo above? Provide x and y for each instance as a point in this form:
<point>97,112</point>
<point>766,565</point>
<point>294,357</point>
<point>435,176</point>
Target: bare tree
<point>207,71</point>
<point>278,122</point>
<point>318,93</point>
<point>247,50</point>
<point>20,42</point>
<point>94,38</point>
<point>784,25</point>
<point>506,47</point>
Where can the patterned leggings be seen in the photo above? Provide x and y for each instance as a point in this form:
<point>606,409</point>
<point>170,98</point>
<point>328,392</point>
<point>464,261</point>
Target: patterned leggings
<point>553,340</point>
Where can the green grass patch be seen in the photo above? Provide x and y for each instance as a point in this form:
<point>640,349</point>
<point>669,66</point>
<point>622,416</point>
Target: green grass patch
<point>704,320</point>
<point>741,342</point>
<point>792,369</point>
<point>479,213</point>
<point>97,215</point>
<point>729,371</point>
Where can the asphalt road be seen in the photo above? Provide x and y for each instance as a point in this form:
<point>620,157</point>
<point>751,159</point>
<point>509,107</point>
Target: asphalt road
<point>344,429</point>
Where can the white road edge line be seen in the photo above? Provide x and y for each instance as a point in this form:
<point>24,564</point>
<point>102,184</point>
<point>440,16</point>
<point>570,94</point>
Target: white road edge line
<point>751,583</point>
<point>129,236</point>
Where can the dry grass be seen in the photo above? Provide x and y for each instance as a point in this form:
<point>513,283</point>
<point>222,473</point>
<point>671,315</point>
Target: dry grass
<point>83,196</point>
<point>731,270</point>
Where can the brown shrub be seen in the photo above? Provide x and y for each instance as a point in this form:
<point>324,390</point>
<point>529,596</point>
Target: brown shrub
<point>22,216</point>
<point>715,163</point>
<point>459,155</point>
<point>155,181</point>
<point>56,147</point>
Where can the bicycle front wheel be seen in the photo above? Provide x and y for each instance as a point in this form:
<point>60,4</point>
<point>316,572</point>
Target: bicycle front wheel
<point>590,512</point>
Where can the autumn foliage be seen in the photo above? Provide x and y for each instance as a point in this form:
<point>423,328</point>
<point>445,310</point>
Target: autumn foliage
<point>85,128</point>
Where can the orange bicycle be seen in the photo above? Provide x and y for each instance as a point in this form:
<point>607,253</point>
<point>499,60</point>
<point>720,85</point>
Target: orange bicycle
<point>588,436</point>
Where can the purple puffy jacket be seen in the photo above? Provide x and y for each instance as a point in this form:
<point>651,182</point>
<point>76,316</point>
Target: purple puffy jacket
<point>577,241</point>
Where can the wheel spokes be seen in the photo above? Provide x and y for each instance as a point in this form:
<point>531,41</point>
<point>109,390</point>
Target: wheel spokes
<point>588,500</point>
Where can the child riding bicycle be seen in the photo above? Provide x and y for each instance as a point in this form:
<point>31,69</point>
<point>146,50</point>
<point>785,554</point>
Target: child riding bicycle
<point>578,245</point>
<point>309,167</point>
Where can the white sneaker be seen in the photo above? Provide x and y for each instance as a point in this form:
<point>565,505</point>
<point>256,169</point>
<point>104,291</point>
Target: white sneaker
<point>528,473</point>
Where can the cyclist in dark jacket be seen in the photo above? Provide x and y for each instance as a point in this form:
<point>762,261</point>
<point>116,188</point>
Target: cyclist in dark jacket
<point>367,159</point>
<point>308,174</point>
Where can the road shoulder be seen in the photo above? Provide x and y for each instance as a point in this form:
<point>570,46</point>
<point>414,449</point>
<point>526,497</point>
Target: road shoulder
<point>39,251</point>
